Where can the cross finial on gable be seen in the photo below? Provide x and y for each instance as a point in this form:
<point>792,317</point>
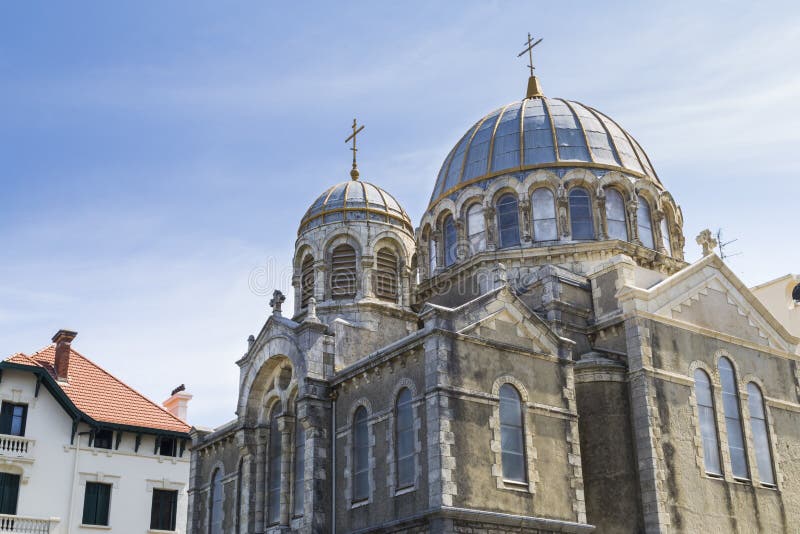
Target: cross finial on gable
<point>277,300</point>
<point>707,241</point>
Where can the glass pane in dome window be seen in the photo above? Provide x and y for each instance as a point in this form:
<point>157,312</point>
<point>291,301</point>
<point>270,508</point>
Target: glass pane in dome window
<point>450,241</point>
<point>508,221</point>
<point>538,135</point>
<point>505,153</point>
<point>544,215</point>
<point>733,419</point>
<point>580,214</point>
<point>644,223</point>
<point>477,159</point>
<point>571,143</point>
<point>624,148</point>
<point>336,198</point>
<point>355,195</point>
<point>599,140</point>
<point>758,424</point>
<point>615,215</point>
<point>665,236</point>
<point>708,422</point>
<point>476,228</point>
<point>454,173</point>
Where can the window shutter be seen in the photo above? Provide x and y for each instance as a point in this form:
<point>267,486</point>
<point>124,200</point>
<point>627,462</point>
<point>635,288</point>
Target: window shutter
<point>343,272</point>
<point>386,275</point>
<point>306,281</point>
<point>90,504</point>
<point>6,414</point>
<point>9,491</point>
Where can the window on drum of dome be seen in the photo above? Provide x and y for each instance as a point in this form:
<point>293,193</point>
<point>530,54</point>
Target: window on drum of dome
<point>476,228</point>
<point>665,236</point>
<point>758,426</point>
<point>644,223</point>
<point>733,419</point>
<point>544,215</point>
<point>708,422</point>
<point>386,275</point>
<point>580,214</point>
<point>306,280</point>
<point>508,221</point>
<point>615,215</point>
<point>450,243</point>
<point>343,272</point>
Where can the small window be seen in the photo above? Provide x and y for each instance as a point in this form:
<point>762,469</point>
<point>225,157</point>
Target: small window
<point>299,469</point>
<point>450,241</point>
<point>386,275</point>
<point>758,425</point>
<point>476,228</point>
<point>544,215</point>
<point>168,447</point>
<point>13,418</point>
<point>360,455</point>
<point>96,503</point>
<point>508,221</point>
<point>615,215</point>
<point>215,505</point>
<point>511,434</point>
<point>580,214</point>
<point>708,422</point>
<point>163,513</point>
<point>343,272</point>
<point>404,437</point>
<point>306,280</point>
<point>644,223</point>
<point>103,439</point>
<point>274,474</point>
<point>733,419</point>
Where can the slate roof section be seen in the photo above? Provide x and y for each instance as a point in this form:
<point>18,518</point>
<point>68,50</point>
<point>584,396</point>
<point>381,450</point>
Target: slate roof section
<point>100,395</point>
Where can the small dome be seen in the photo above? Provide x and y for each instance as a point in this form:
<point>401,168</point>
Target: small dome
<point>540,133</point>
<point>355,200</point>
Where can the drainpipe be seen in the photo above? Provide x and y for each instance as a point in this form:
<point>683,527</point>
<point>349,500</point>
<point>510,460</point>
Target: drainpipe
<point>74,479</point>
<point>333,467</point>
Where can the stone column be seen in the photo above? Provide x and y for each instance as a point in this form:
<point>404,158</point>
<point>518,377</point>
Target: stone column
<point>259,497</point>
<point>491,228</point>
<point>632,206</point>
<point>320,271</point>
<point>562,208</point>
<point>600,209</point>
<point>658,216</point>
<point>298,293</point>
<point>364,286</point>
<point>525,218</point>
<point>314,413</point>
<point>436,236</point>
<point>286,428</point>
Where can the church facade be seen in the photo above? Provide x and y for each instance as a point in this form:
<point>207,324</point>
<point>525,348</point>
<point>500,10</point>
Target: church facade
<point>534,356</point>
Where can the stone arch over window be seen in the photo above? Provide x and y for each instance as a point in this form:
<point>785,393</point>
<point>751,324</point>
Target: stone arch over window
<point>644,222</point>
<point>616,219</point>
<point>512,436</point>
<point>343,272</point>
<point>737,448</point>
<point>760,433</point>
<point>359,458</point>
<point>581,214</point>
<point>216,498</point>
<point>707,435</point>
<point>543,214</point>
<point>476,227</point>
<point>507,210</point>
<point>307,280</point>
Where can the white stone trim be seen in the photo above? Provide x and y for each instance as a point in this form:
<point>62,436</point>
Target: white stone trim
<point>531,454</point>
<point>417,405</point>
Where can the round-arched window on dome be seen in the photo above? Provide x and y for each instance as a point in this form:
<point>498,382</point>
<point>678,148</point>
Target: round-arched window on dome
<point>450,239</point>
<point>508,221</point>
<point>476,228</point>
<point>644,223</point>
<point>615,215</point>
<point>343,272</point>
<point>580,214</point>
<point>544,215</point>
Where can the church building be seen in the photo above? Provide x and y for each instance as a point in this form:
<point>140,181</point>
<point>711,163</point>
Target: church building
<point>533,355</point>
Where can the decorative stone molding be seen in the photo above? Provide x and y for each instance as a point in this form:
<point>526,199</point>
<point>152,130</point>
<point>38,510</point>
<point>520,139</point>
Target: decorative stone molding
<point>531,454</point>
<point>417,405</point>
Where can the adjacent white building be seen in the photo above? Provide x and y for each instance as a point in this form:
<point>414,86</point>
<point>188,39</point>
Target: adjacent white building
<point>781,297</point>
<point>82,452</point>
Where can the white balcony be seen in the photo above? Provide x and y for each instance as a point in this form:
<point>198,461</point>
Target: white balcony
<point>16,447</point>
<point>20,524</point>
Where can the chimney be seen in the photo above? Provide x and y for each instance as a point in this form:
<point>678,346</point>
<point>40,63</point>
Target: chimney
<point>63,339</point>
<point>178,403</point>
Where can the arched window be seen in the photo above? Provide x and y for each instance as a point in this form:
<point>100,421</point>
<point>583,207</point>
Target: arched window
<point>404,437</point>
<point>508,221</point>
<point>580,214</point>
<point>733,419</point>
<point>299,469</point>
<point>615,215</point>
<point>665,236</point>
<point>274,475</point>
<point>544,215</point>
<point>644,224</point>
<point>386,275</point>
<point>432,255</point>
<point>708,422</point>
<point>511,434</point>
<point>306,280</point>
<point>216,497</point>
<point>360,455</point>
<point>758,426</point>
<point>450,239</point>
<point>476,228</point>
<point>343,272</point>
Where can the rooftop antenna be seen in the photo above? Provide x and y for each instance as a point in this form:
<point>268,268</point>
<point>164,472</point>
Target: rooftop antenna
<point>356,130</point>
<point>722,244</point>
<point>534,90</point>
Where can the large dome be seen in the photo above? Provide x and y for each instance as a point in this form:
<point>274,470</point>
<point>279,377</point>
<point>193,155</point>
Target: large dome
<point>539,133</point>
<point>355,200</point>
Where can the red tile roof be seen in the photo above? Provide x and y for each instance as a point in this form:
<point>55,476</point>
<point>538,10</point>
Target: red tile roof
<point>100,395</point>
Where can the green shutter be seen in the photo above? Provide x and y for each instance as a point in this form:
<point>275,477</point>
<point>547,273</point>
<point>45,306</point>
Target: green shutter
<point>90,504</point>
<point>96,503</point>
<point>164,510</point>
<point>9,491</point>
<point>6,413</point>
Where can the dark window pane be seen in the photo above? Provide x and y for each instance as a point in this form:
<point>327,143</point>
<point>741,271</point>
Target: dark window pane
<point>217,497</point>
<point>360,455</point>
<point>733,419</point>
<point>643,221</point>
<point>511,434</point>
<point>103,439</point>
<point>12,419</point>
<point>450,241</point>
<point>508,221</point>
<point>758,424</point>
<point>580,214</point>
<point>9,492</point>
<point>164,510</point>
<point>97,499</point>
<point>168,447</point>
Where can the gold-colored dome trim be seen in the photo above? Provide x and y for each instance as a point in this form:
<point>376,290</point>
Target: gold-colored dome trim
<point>469,147</point>
<point>617,153</point>
<point>552,129</point>
<point>492,138</point>
<point>522,133</point>
<point>579,122</point>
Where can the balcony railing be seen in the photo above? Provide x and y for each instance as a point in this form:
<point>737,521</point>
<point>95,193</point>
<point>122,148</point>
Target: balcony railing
<point>20,524</point>
<point>16,446</point>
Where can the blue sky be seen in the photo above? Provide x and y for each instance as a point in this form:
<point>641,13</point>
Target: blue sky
<point>157,156</point>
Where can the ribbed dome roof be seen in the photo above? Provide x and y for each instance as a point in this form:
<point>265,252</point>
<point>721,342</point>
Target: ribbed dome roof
<point>355,200</point>
<point>540,133</point>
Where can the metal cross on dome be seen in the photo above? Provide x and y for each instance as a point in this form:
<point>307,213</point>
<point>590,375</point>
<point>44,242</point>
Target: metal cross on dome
<point>356,130</point>
<point>529,50</point>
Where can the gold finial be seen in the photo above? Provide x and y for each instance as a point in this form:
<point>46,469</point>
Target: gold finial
<point>534,89</point>
<point>356,130</point>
